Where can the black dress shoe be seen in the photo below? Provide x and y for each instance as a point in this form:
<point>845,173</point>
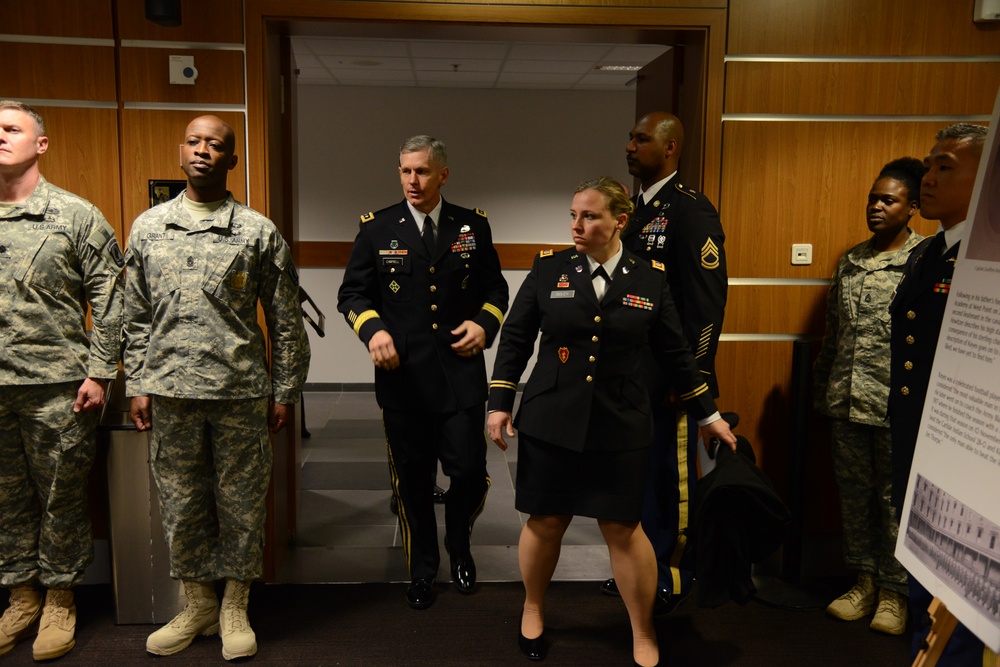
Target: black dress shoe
<point>463,573</point>
<point>463,568</point>
<point>439,495</point>
<point>666,602</point>
<point>534,649</point>
<point>420,593</point>
<point>609,587</point>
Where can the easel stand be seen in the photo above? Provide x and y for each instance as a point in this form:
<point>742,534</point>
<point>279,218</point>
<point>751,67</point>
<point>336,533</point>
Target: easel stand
<point>942,625</point>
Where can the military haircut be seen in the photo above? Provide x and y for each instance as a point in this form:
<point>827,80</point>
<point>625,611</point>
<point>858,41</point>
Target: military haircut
<point>28,109</point>
<point>975,134</point>
<point>422,142</point>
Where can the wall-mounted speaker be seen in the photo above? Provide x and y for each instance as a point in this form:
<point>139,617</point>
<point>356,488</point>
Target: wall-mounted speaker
<point>164,12</point>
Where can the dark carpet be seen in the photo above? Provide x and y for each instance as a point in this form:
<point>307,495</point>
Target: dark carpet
<point>370,624</point>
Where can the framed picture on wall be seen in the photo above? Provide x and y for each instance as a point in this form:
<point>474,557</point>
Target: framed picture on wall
<point>164,190</point>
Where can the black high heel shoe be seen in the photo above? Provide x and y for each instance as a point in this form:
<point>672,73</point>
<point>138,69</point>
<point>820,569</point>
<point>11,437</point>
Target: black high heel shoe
<point>533,649</point>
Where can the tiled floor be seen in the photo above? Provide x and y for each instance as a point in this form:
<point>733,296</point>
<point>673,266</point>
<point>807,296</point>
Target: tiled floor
<point>347,533</point>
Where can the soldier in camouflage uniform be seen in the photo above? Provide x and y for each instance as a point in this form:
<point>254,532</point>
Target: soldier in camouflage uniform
<point>852,387</point>
<point>57,252</point>
<point>196,365</point>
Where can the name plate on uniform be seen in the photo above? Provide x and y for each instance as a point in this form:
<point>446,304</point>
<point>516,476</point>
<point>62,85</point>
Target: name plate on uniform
<point>562,294</point>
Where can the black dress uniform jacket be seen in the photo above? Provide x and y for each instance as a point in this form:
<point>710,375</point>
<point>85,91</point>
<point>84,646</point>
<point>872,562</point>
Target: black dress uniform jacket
<point>586,391</point>
<point>681,228</point>
<point>916,313</point>
<point>392,283</point>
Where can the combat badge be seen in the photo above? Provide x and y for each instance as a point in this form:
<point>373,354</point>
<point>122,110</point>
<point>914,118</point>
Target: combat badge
<point>394,286</point>
<point>238,281</point>
<point>709,255</point>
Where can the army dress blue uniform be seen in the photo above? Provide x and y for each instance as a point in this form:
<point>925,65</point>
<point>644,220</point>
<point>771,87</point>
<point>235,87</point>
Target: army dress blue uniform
<point>433,403</point>
<point>680,228</point>
<point>585,419</point>
<point>916,315</point>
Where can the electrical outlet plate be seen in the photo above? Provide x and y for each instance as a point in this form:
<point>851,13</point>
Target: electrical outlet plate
<point>802,254</point>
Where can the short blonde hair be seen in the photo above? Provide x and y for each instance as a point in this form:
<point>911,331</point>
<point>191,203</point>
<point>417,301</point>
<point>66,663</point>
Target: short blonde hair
<point>28,109</point>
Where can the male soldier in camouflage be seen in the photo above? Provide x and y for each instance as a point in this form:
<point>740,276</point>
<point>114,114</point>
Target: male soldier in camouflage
<point>57,252</point>
<point>197,372</point>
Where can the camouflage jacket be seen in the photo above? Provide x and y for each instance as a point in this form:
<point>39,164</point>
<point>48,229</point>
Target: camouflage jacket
<point>191,294</point>
<point>852,370</point>
<point>57,253</point>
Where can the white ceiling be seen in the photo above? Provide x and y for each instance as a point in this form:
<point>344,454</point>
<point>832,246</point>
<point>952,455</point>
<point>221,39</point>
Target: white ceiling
<point>323,60</point>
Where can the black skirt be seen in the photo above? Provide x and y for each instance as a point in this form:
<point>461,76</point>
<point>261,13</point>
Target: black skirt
<point>602,485</point>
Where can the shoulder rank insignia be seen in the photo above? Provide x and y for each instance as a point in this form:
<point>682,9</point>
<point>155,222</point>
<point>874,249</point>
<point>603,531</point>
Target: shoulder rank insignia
<point>481,212</point>
<point>545,253</point>
<point>658,265</point>
<point>368,217</point>
<point>709,255</point>
<point>688,191</point>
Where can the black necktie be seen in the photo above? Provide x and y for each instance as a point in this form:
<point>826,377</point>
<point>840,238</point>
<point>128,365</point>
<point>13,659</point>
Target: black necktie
<point>599,272</point>
<point>428,235</point>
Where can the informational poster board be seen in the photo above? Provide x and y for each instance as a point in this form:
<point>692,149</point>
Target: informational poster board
<point>949,536</point>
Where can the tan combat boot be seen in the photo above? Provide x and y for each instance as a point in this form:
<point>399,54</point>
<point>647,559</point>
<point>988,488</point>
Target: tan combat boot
<point>238,639</point>
<point>57,627</point>
<point>857,602</point>
<point>19,619</point>
<point>890,616</point>
<point>200,616</point>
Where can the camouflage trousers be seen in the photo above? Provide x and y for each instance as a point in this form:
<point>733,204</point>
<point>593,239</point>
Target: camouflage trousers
<point>46,452</point>
<point>212,464</point>
<point>862,464</point>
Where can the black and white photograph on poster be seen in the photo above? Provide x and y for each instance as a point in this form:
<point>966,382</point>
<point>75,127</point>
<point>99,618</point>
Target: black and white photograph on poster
<point>956,460</point>
<point>959,543</point>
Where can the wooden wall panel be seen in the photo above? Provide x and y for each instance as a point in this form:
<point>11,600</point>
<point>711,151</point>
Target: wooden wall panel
<point>805,182</point>
<point>58,71</point>
<point>150,150</point>
<point>213,21</point>
<point>57,18</point>
<point>862,88</point>
<point>83,156</point>
<point>859,27</point>
<point>146,76</point>
<point>775,309</point>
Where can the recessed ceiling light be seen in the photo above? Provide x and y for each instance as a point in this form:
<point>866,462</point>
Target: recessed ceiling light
<point>617,68</point>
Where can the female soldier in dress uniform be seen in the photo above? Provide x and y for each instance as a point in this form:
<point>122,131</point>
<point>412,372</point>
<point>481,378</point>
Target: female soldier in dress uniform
<point>585,419</point>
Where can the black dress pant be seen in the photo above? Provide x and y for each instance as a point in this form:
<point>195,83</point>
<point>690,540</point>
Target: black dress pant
<point>416,441</point>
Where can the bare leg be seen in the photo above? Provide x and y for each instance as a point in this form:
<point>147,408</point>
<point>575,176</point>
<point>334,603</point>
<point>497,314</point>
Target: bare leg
<point>634,566</point>
<point>538,553</point>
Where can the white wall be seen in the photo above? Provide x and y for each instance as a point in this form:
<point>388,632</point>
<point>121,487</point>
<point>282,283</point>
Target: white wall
<point>517,154</point>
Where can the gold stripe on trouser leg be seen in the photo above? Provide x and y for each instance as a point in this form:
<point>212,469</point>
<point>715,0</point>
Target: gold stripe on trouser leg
<point>482,501</point>
<point>404,524</point>
<point>683,491</point>
<point>990,659</point>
